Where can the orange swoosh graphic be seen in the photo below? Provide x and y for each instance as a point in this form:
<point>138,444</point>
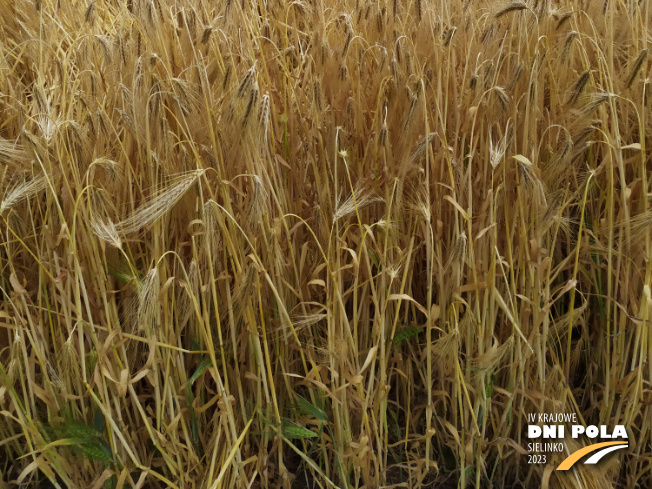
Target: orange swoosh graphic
<point>574,457</point>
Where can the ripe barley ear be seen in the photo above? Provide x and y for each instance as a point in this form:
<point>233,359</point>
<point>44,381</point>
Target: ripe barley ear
<point>510,7</point>
<point>640,59</point>
<point>578,87</point>
<point>563,19</point>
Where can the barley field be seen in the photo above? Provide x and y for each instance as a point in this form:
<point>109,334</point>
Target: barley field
<point>322,243</point>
